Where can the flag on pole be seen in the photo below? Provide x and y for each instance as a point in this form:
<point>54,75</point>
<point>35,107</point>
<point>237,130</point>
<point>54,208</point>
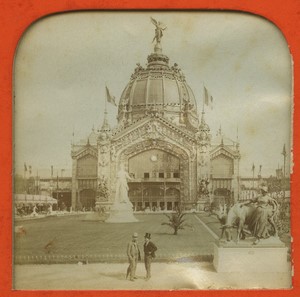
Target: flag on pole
<point>253,167</point>
<point>205,96</point>
<point>111,99</point>
<point>208,99</point>
<point>283,151</point>
<point>25,167</point>
<point>51,170</point>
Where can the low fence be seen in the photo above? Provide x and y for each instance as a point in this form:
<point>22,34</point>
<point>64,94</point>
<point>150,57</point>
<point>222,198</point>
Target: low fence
<point>109,258</point>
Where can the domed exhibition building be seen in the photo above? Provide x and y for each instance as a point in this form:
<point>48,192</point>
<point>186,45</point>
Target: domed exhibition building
<point>164,143</point>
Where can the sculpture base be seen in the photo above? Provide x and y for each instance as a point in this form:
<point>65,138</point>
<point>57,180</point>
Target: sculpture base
<point>158,48</point>
<point>201,204</point>
<point>121,213</point>
<point>95,216</point>
<point>270,255</point>
<point>103,205</point>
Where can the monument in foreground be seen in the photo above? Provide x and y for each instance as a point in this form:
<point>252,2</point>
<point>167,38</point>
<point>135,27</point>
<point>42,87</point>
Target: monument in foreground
<point>122,209</point>
<point>264,252</point>
<point>269,256</point>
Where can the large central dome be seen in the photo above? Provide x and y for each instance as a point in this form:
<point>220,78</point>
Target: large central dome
<point>158,89</point>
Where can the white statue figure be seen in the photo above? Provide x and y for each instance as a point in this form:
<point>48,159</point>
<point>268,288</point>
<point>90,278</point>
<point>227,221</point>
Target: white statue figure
<point>50,209</point>
<point>122,186</point>
<point>122,209</point>
<point>34,213</point>
<point>160,27</point>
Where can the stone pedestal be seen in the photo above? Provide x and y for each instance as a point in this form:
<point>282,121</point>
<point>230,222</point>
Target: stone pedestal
<point>103,205</point>
<point>121,213</point>
<point>158,48</point>
<point>201,205</point>
<point>95,216</point>
<point>270,255</point>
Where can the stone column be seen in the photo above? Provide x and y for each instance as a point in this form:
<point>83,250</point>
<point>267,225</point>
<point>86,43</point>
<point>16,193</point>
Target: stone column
<point>203,139</point>
<point>104,161</point>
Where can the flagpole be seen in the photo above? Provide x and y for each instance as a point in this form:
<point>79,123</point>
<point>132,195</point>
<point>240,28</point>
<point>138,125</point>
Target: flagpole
<point>284,160</point>
<point>37,182</point>
<point>105,97</point>
<point>105,104</point>
<point>253,168</point>
<point>57,186</point>
<point>203,99</point>
<point>24,178</point>
<point>73,134</point>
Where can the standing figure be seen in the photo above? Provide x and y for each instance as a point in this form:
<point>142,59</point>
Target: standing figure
<point>263,214</point>
<point>158,30</point>
<point>50,209</point>
<point>34,212</point>
<point>134,255</point>
<point>149,253</point>
<point>122,186</point>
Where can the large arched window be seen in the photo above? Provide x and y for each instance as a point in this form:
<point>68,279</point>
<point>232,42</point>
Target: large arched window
<point>154,164</point>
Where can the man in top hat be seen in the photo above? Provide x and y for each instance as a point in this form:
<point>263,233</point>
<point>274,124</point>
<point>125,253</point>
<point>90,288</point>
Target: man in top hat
<point>134,255</point>
<point>149,253</point>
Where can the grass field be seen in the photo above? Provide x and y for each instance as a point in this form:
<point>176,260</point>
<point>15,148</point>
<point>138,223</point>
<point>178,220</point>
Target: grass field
<point>70,239</point>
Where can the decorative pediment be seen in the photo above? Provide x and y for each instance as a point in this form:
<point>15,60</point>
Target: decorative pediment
<point>87,150</point>
<point>153,129</point>
<point>224,150</point>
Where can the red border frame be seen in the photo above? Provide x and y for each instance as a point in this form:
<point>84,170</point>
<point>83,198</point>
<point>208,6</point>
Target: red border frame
<point>17,15</point>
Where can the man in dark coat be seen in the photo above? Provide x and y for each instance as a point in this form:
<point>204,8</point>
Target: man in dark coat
<point>133,253</point>
<point>149,253</point>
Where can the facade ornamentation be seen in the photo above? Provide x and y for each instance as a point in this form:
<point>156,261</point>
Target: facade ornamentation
<point>166,147</point>
<point>103,190</point>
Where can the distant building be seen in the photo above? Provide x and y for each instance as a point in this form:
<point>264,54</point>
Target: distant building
<point>58,187</point>
<point>165,145</point>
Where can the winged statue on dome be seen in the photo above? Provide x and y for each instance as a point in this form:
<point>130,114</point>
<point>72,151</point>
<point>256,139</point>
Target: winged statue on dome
<point>160,27</point>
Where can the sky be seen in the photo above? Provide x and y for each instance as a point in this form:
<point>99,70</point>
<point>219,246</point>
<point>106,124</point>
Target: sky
<point>64,61</point>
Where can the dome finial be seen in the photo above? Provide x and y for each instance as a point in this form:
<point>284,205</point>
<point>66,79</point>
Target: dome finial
<point>160,27</point>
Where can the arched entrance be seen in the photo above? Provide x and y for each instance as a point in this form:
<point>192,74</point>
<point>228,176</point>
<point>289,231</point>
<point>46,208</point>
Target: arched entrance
<point>87,199</point>
<point>160,175</point>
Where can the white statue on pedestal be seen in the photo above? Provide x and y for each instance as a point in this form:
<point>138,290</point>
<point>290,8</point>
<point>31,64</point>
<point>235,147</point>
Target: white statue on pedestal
<point>122,186</point>
<point>122,209</point>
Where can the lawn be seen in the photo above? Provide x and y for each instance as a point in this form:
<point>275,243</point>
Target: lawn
<point>69,239</point>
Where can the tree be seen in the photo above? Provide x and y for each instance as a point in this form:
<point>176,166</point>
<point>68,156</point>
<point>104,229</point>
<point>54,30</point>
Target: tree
<point>176,220</point>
